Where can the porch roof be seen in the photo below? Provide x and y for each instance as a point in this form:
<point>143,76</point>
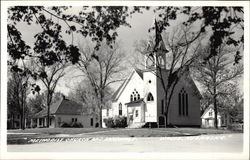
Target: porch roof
<point>135,102</point>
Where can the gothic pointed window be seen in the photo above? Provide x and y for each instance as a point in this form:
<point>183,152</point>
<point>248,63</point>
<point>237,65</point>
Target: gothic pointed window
<point>134,96</point>
<point>150,97</point>
<point>138,96</point>
<point>183,102</point>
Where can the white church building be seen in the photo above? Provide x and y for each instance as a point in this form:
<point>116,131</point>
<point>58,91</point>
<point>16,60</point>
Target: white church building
<point>141,97</point>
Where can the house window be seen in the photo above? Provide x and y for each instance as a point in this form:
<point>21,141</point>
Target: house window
<point>162,106</point>
<point>107,114</point>
<point>210,113</point>
<point>91,122</point>
<point>150,97</point>
<point>120,109</point>
<point>131,98</point>
<point>183,103</point>
<point>136,113</point>
<point>40,121</point>
<point>74,119</point>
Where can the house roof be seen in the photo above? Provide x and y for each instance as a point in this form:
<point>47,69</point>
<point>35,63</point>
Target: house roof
<point>63,106</point>
<point>207,109</point>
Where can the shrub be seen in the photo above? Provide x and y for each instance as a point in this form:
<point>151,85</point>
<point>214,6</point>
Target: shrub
<point>109,122</point>
<point>77,125</point>
<point>120,122</point>
<point>65,125</point>
<point>117,122</point>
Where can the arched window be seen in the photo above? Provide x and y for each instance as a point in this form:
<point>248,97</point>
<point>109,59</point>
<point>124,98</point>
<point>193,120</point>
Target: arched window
<point>134,96</point>
<point>150,97</point>
<point>120,109</point>
<point>183,103</point>
<point>138,96</point>
<point>131,98</point>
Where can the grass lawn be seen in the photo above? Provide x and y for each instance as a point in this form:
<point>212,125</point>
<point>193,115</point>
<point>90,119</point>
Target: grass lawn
<point>52,131</point>
<point>22,136</point>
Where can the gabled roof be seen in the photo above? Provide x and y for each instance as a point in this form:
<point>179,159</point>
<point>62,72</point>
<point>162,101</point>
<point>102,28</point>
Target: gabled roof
<point>118,92</point>
<point>193,85</point>
<point>69,107</point>
<point>63,106</point>
<point>120,89</point>
<point>139,72</point>
<point>207,109</point>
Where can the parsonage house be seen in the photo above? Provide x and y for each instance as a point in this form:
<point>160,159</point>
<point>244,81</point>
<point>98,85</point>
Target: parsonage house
<point>65,112</point>
<point>141,98</point>
<point>208,118</point>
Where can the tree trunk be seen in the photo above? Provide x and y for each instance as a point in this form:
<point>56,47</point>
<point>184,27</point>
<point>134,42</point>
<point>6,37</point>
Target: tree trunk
<point>215,113</point>
<point>23,117</point>
<point>100,114</point>
<point>166,111</point>
<point>215,106</point>
<point>48,111</point>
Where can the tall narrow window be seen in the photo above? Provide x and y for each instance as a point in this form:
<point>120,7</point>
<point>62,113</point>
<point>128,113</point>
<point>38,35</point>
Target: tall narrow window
<point>150,97</point>
<point>186,104</point>
<point>131,98</point>
<point>91,122</point>
<point>120,109</point>
<point>136,113</point>
<point>183,102</point>
<point>138,96</point>
<point>107,114</point>
<point>135,98</point>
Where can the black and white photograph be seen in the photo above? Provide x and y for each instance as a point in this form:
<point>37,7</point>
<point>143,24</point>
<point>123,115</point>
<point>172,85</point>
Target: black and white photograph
<point>135,80</point>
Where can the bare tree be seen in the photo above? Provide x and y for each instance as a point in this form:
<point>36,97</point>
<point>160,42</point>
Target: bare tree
<point>50,76</point>
<point>181,49</point>
<point>102,68</point>
<point>17,95</point>
<point>216,73</point>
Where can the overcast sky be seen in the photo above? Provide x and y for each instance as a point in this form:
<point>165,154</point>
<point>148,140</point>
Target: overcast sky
<point>127,36</point>
<point>140,24</point>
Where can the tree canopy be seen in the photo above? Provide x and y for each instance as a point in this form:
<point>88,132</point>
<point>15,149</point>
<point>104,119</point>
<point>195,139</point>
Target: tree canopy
<point>101,23</point>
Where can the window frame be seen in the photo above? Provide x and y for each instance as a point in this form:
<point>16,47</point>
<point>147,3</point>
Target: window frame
<point>183,102</point>
<point>150,97</point>
<point>120,109</point>
<point>136,113</point>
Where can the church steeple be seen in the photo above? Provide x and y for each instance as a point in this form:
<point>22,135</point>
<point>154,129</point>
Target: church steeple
<point>156,51</point>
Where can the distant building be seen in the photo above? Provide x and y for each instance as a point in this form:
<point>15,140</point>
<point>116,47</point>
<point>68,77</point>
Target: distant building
<point>64,112</point>
<point>208,118</point>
